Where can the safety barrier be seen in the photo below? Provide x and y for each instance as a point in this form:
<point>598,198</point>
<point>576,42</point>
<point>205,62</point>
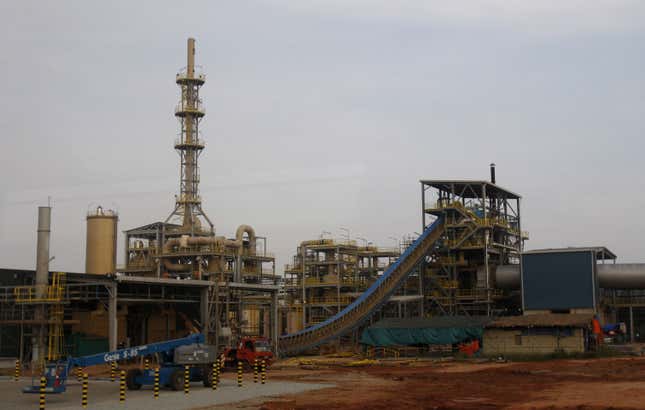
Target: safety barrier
<point>264,371</point>
<point>122,387</point>
<point>16,374</point>
<point>155,390</point>
<point>84,390</point>
<point>186,379</point>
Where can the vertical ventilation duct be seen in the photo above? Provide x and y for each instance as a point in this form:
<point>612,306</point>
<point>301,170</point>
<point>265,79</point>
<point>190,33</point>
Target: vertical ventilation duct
<point>492,173</point>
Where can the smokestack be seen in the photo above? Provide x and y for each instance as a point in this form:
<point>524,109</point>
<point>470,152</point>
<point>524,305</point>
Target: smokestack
<point>42,248</point>
<point>492,173</point>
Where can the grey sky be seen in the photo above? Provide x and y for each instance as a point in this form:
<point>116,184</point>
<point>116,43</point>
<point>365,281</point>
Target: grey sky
<point>322,114</point>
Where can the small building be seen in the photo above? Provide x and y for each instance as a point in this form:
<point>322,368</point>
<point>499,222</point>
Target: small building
<point>537,334</point>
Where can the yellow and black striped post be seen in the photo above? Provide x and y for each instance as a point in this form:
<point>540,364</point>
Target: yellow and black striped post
<point>156,386</point>
<point>43,384</point>
<point>255,371</point>
<point>113,371</point>
<point>122,386</point>
<point>84,391</point>
<point>79,374</point>
<point>146,364</point>
<point>214,371</point>
<point>239,373</point>
<point>264,371</point>
<point>186,379</point>
<point>16,374</point>
<point>220,364</point>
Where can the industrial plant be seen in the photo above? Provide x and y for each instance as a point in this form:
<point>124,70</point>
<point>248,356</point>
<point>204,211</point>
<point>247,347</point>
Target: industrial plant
<point>468,278</point>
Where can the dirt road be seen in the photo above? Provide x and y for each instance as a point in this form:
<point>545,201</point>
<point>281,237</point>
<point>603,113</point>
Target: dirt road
<point>616,383</point>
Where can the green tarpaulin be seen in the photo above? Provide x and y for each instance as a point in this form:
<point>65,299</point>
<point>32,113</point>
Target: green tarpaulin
<point>426,331</point>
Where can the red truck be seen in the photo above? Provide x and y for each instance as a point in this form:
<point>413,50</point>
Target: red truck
<point>249,349</point>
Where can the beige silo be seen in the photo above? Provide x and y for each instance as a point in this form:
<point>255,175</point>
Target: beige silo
<point>100,253</point>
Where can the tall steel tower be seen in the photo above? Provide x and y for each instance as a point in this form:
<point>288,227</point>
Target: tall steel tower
<point>189,145</point>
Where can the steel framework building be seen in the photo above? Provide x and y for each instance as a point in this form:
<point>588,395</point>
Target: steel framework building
<point>326,275</point>
<point>482,231</point>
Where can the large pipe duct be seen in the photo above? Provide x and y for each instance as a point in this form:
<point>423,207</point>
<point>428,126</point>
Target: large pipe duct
<point>184,241</point>
<point>610,276</point>
<point>621,275</point>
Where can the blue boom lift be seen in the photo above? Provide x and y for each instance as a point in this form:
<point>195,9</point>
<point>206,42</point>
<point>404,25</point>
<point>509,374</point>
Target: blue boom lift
<point>174,354</point>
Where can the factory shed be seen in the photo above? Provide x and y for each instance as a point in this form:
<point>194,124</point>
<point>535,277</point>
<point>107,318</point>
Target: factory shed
<point>537,334</point>
<point>440,330</point>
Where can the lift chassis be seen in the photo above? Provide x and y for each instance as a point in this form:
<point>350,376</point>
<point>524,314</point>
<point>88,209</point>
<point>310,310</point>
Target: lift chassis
<point>174,355</point>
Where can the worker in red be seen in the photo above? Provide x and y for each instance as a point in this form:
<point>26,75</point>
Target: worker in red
<point>469,348</point>
<point>597,331</point>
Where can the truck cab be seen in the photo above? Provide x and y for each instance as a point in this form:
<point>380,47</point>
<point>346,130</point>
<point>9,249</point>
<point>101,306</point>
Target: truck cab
<point>247,351</point>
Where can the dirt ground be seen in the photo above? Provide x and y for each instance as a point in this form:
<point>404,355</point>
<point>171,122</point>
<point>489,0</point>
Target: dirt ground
<point>611,383</point>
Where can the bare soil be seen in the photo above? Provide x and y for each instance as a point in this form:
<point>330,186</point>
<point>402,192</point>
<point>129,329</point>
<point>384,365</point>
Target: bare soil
<point>611,383</point>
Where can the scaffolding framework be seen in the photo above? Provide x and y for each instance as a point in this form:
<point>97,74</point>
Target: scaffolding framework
<point>326,275</point>
<point>482,231</point>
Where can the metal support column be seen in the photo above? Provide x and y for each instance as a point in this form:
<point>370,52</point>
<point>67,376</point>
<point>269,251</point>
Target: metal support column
<point>112,318</point>
<point>631,324</point>
<point>275,331</point>
<point>204,312</point>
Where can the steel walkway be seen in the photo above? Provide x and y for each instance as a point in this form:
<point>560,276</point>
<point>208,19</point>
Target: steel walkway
<point>369,302</point>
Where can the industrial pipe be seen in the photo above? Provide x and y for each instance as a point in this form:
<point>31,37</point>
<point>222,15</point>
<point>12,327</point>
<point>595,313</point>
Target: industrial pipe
<point>209,240</point>
<point>610,276</point>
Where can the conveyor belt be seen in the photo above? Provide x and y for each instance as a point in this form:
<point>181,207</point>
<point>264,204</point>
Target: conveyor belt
<point>370,301</point>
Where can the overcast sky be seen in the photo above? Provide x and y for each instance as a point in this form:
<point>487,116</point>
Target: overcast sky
<point>323,114</point>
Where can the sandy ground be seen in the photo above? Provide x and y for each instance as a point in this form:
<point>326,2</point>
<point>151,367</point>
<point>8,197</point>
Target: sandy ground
<point>104,395</point>
<point>616,383</point>
<point>350,383</point>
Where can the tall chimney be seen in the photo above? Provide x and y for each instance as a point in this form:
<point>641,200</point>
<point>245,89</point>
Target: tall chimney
<point>42,280</point>
<point>492,173</point>
<point>42,248</point>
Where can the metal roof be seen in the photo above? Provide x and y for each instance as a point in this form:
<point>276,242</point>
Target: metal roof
<point>151,227</point>
<point>470,189</point>
<point>543,320</point>
<point>602,253</point>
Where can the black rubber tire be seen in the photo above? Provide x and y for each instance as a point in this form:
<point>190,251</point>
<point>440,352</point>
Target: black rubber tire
<point>177,380</point>
<point>130,379</point>
<point>207,375</point>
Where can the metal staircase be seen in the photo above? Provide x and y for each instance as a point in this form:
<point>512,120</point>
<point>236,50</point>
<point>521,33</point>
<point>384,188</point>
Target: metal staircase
<point>369,302</point>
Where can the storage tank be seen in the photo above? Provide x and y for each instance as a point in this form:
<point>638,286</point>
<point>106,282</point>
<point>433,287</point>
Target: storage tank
<point>100,251</point>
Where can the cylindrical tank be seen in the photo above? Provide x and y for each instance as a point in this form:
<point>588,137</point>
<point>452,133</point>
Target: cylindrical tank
<point>100,253</point>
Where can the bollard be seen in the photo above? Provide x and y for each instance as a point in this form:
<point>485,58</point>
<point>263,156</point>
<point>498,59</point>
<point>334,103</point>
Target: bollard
<point>146,364</point>
<point>239,373</point>
<point>122,387</point>
<point>214,375</point>
<point>255,371</point>
<point>264,371</point>
<point>186,379</point>
<point>220,364</point>
<point>84,391</point>
<point>156,387</point>
<point>16,374</point>
<point>113,371</point>
<point>79,374</point>
<point>43,384</point>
